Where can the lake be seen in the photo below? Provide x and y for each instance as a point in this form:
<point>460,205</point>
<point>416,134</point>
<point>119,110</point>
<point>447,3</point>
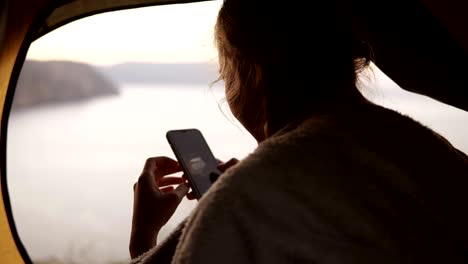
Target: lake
<point>71,168</point>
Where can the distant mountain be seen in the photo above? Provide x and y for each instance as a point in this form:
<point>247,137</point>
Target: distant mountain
<point>46,82</point>
<point>162,73</point>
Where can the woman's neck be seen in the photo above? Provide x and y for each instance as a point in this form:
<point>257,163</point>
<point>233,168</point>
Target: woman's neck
<point>343,104</point>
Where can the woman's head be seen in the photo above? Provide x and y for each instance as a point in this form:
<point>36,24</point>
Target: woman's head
<point>284,61</point>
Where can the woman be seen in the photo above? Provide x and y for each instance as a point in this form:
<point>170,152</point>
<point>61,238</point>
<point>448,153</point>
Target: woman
<point>335,178</point>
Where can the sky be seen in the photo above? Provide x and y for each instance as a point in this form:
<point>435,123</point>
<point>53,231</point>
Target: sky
<point>172,33</point>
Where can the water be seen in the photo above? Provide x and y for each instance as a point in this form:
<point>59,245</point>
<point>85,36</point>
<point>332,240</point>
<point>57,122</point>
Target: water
<point>71,168</point>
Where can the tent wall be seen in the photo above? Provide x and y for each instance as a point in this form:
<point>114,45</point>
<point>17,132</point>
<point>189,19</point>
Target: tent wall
<point>70,10</point>
<point>453,15</point>
<point>11,45</point>
<point>17,21</point>
<point>416,49</point>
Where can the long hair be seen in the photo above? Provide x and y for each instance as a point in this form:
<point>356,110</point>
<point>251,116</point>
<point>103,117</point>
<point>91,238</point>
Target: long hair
<point>283,61</point>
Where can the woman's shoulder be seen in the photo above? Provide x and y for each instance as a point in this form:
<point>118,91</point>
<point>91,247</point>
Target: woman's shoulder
<point>370,141</point>
<point>330,178</point>
<point>311,153</point>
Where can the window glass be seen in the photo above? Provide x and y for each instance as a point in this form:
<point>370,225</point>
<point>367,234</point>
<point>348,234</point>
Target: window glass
<point>95,99</point>
<point>448,121</point>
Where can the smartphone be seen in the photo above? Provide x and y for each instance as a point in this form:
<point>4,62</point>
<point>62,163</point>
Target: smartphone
<point>195,157</point>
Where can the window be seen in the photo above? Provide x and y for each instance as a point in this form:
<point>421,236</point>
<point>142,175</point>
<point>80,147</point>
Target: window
<point>444,119</point>
<point>96,98</point>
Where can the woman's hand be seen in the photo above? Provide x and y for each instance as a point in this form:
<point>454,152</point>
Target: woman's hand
<point>223,166</point>
<point>155,201</point>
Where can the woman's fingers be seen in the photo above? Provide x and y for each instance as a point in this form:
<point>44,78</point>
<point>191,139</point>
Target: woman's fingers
<point>224,166</point>
<point>170,181</point>
<point>161,166</point>
<point>191,196</point>
<point>181,190</point>
<point>153,162</point>
<point>167,189</point>
<point>186,179</point>
<point>156,168</point>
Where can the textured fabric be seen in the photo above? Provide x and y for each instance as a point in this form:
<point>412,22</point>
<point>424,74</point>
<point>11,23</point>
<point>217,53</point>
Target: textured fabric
<point>164,251</point>
<point>352,188</point>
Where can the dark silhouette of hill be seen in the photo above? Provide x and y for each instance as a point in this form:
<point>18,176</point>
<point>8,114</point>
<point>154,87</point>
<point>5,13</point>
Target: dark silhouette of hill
<point>162,73</point>
<point>46,82</point>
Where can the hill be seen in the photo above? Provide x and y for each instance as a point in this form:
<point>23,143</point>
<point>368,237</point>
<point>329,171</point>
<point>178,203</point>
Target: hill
<point>46,82</point>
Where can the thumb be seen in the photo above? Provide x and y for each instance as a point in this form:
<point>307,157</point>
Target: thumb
<point>224,166</point>
<point>181,190</point>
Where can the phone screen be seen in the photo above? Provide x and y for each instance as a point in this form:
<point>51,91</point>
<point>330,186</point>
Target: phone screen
<point>195,157</point>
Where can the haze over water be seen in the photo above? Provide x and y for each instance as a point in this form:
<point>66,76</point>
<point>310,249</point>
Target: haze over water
<point>71,168</point>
